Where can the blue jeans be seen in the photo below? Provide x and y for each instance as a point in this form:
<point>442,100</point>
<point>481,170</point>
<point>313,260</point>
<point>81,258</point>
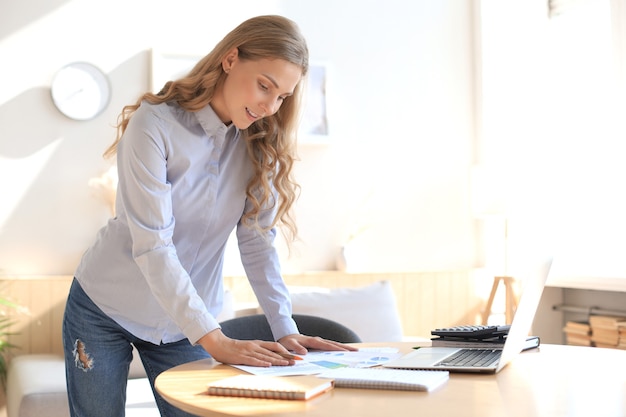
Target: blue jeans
<point>98,353</point>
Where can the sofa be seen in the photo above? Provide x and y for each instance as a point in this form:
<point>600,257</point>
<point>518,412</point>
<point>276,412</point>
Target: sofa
<point>36,388</point>
<point>36,382</point>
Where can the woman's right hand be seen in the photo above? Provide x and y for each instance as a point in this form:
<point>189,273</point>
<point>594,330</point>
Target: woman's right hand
<point>243,352</point>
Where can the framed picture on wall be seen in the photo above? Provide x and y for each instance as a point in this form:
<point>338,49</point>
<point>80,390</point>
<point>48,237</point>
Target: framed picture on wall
<point>314,123</point>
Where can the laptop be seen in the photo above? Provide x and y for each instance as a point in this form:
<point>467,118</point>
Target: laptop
<point>439,358</point>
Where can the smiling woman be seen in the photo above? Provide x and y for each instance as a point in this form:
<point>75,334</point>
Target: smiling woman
<point>253,89</point>
<point>210,153</point>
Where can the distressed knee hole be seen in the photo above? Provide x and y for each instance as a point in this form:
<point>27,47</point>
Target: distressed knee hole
<point>82,359</point>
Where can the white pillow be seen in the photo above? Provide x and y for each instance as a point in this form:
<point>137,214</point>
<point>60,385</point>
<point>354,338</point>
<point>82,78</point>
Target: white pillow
<point>370,311</point>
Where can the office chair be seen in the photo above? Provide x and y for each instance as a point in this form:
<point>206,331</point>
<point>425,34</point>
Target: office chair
<point>256,327</point>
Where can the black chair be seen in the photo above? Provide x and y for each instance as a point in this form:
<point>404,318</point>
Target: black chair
<point>256,327</point>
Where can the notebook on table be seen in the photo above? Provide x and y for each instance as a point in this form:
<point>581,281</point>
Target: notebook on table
<point>299,387</point>
<point>440,358</point>
<point>392,379</point>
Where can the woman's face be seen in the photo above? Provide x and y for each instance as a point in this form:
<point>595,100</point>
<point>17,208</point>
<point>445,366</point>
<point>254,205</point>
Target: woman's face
<point>253,89</point>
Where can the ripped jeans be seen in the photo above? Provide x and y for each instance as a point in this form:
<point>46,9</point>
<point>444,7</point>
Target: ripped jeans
<point>98,353</point>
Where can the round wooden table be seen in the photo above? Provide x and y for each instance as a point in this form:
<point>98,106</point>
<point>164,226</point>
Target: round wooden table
<point>553,381</point>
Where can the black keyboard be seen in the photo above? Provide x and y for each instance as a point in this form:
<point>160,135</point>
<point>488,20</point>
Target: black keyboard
<point>472,332</point>
<point>472,358</point>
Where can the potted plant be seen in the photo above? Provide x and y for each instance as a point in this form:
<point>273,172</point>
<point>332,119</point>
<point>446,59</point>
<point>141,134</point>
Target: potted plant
<point>6,321</point>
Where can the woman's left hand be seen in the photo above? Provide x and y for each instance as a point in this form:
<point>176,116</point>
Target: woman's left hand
<point>299,343</point>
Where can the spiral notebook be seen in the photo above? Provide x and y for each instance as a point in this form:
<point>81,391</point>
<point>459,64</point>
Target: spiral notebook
<point>393,379</point>
<point>299,387</point>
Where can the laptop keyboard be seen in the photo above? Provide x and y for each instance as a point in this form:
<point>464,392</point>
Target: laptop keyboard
<point>472,358</point>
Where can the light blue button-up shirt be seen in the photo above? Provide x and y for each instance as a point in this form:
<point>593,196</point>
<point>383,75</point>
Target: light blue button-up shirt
<point>156,268</point>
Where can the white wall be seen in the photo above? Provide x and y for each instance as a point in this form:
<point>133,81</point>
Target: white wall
<point>400,117</point>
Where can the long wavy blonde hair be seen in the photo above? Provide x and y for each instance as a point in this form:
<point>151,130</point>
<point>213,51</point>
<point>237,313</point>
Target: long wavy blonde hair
<point>271,140</point>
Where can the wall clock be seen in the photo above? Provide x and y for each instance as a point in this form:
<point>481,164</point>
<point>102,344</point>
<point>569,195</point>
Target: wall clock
<point>81,91</point>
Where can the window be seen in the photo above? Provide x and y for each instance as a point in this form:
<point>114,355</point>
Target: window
<point>553,101</point>
<point>586,141</point>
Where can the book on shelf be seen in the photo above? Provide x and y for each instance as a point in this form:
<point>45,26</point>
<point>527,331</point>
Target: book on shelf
<point>576,340</point>
<point>299,387</point>
<point>602,336</point>
<point>577,327</point>
<point>605,345</point>
<point>385,378</point>
<point>605,330</point>
<point>606,322</point>
<point>622,336</point>
<point>491,343</point>
<point>578,333</point>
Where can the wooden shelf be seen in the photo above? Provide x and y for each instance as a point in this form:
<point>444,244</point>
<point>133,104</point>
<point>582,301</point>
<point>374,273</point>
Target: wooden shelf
<point>588,283</point>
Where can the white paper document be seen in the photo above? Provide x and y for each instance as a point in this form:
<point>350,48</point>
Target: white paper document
<point>316,362</point>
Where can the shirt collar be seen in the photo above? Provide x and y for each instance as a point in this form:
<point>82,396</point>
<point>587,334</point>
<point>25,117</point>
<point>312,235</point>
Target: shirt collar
<point>212,124</point>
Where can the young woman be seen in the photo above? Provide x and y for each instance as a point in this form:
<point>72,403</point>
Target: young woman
<point>208,153</point>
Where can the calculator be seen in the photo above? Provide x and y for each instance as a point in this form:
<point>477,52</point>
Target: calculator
<point>472,332</point>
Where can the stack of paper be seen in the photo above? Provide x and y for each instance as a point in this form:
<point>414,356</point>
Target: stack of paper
<point>356,369</point>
